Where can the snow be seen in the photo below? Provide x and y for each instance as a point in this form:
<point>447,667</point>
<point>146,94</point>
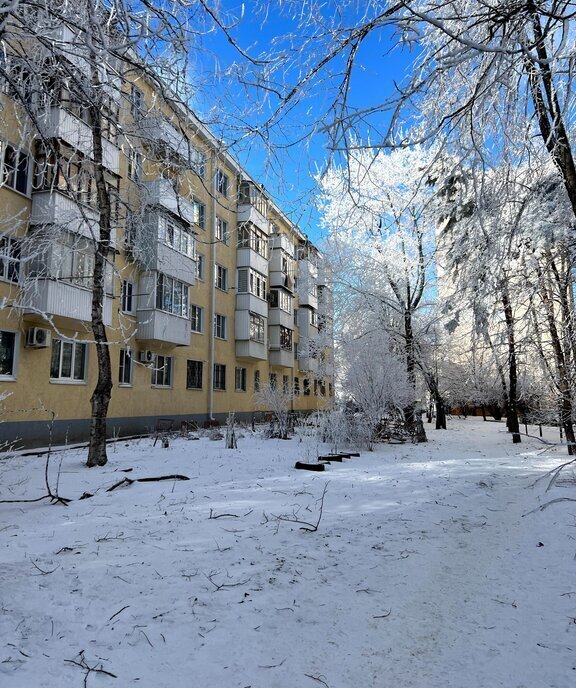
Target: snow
<point>427,568</point>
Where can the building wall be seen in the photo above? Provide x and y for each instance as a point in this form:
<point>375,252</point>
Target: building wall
<point>34,398</point>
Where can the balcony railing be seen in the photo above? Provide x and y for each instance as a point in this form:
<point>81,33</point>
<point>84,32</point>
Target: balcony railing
<point>160,192</point>
<point>158,326</point>
<point>53,297</point>
<point>59,123</point>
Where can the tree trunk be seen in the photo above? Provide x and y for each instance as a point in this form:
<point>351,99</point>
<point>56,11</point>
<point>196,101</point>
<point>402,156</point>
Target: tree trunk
<point>413,424</point>
<point>512,410</point>
<point>102,394</point>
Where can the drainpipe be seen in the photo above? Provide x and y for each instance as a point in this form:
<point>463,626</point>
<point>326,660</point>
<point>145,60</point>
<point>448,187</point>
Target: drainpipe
<point>213,286</point>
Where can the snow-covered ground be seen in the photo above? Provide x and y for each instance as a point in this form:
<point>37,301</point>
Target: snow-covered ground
<point>426,570</point>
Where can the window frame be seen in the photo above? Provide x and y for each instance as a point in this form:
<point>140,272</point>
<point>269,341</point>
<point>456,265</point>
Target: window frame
<point>219,377</point>
<point>71,379</point>
<point>240,379</point>
<point>14,170</point>
<point>222,183</point>
<point>10,376</point>
<point>123,379</point>
<point>222,233</point>
<point>220,326</point>
<point>163,368</point>
<point>198,316</point>
<point>221,277</point>
<point>166,287</point>
<point>10,258</point>
<point>260,324</point>
<point>127,298</point>
<point>194,375</point>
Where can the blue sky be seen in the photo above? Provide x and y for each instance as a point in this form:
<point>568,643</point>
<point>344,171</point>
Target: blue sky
<point>288,175</point>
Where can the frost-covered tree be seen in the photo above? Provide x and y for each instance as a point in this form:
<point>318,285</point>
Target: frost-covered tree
<point>381,240</point>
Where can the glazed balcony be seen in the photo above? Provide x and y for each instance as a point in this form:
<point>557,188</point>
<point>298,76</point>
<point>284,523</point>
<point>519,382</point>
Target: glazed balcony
<point>251,303</point>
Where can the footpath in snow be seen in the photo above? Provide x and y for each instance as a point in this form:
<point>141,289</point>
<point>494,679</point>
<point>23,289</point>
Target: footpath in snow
<point>431,567</point>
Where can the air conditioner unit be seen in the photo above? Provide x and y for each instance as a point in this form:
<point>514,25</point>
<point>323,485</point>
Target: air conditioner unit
<point>146,356</point>
<point>38,338</point>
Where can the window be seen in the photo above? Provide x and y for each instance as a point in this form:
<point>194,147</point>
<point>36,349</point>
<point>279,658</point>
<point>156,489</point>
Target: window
<point>315,388</point>
<point>222,230</point>
<point>240,379</point>
<point>221,277</point>
<point>198,213</point>
<point>222,183</point>
<point>162,371</point>
<point>285,384</point>
<point>330,390</point>
<point>171,296</point>
<point>296,386</point>
<point>200,266</point>
<point>136,102</point>
<point>15,169</point>
<point>127,297</point>
<point>272,380</point>
<point>251,281</point>
<point>256,380</point>
<point>220,326</point>
<point>9,258</point>
<point>68,361</point>
<point>314,317</point>
<point>285,338</point>
<point>176,236</point>
<point>251,237</point>
<point>281,299</point>
<point>197,318</point>
<point>194,374</point>
<point>197,161</point>
<point>219,377</point>
<point>134,165</point>
<point>7,354</point>
<point>257,328</point>
<point>306,387</point>
<point>125,367</point>
<point>73,260</point>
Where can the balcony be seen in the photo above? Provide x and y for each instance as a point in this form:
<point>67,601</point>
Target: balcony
<point>248,258</point>
<point>61,124</point>
<point>306,297</point>
<point>249,213</point>
<point>47,296</point>
<point>307,268</point>
<point>251,303</point>
<point>160,192</point>
<point>281,358</point>
<point>158,130</point>
<point>276,316</point>
<point>246,347</point>
<point>282,242</point>
<point>153,254</point>
<point>308,364</point>
<point>158,327</point>
<point>56,208</point>
<point>305,328</point>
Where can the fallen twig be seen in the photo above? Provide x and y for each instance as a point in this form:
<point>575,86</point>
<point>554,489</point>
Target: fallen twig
<point>547,504</point>
<point>129,481</point>
<point>215,516</point>
<point>83,664</point>
<point>118,612</point>
<point>320,678</point>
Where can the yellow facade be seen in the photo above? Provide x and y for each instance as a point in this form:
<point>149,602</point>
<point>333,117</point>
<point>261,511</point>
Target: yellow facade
<point>161,305</point>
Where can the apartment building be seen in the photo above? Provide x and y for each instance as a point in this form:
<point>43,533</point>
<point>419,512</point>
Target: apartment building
<point>211,290</point>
